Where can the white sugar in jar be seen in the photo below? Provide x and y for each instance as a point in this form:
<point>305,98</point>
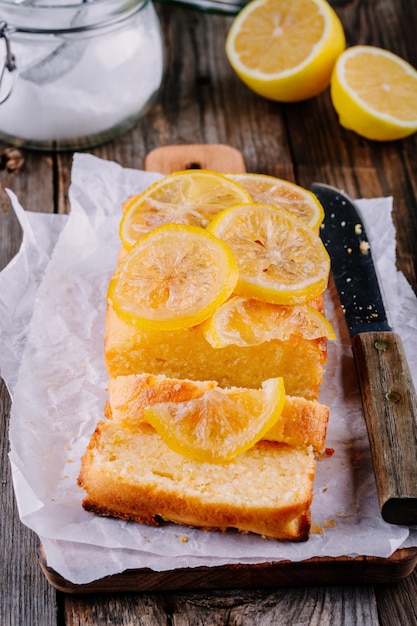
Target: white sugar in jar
<point>76,75</point>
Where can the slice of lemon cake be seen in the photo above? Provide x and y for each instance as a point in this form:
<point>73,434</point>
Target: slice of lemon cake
<point>133,470</point>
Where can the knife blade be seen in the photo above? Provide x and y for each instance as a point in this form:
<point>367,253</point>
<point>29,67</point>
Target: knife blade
<point>388,394</point>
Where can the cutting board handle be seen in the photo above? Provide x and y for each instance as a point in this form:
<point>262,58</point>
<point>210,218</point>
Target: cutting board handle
<point>216,157</point>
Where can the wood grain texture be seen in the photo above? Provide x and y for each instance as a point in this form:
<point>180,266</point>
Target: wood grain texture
<point>322,605</point>
<point>25,596</point>
<point>396,602</point>
<point>202,101</point>
<point>390,405</point>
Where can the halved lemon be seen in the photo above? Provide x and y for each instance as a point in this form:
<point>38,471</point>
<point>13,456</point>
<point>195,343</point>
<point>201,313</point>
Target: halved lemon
<point>285,50</point>
<point>221,424</point>
<point>281,260</point>
<point>191,197</point>
<point>175,277</point>
<point>375,93</point>
<point>265,189</point>
<point>249,322</point>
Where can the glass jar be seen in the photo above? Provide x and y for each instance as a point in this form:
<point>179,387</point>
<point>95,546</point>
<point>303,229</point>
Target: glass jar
<point>75,75</point>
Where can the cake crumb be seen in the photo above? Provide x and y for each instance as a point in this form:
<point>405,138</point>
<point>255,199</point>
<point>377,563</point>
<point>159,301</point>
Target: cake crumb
<point>326,453</point>
<point>316,529</point>
<point>329,523</point>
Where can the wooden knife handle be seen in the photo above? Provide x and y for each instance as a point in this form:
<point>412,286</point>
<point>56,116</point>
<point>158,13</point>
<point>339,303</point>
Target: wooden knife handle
<point>390,406</point>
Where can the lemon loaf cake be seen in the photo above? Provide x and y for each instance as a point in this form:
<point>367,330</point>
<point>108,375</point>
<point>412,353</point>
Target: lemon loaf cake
<point>129,471</point>
<point>215,345</point>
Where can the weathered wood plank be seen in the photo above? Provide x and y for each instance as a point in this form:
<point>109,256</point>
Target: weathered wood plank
<point>318,605</point>
<point>26,597</point>
<point>397,603</point>
<point>32,181</point>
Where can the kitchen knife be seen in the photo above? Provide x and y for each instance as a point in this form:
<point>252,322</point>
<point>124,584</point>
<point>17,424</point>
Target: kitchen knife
<point>388,394</point>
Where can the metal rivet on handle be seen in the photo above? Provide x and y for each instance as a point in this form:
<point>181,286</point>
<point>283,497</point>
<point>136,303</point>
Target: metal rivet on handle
<point>381,345</point>
<point>393,396</point>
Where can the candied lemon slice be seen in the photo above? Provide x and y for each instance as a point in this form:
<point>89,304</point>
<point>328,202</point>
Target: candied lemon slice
<point>285,50</point>
<point>280,259</point>
<point>174,277</point>
<point>191,197</point>
<point>221,424</point>
<point>265,189</point>
<point>375,93</point>
<point>249,322</point>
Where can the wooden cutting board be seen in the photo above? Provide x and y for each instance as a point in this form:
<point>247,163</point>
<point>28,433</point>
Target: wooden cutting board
<point>315,571</point>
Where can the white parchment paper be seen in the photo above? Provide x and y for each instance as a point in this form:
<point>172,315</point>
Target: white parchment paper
<point>52,304</point>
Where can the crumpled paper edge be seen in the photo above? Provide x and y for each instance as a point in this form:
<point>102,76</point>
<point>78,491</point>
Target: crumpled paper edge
<point>20,280</point>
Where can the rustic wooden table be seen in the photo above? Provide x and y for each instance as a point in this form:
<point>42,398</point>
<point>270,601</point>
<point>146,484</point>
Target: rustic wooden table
<point>203,102</point>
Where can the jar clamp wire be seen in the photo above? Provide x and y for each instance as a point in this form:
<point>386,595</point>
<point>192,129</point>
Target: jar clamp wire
<point>9,66</point>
